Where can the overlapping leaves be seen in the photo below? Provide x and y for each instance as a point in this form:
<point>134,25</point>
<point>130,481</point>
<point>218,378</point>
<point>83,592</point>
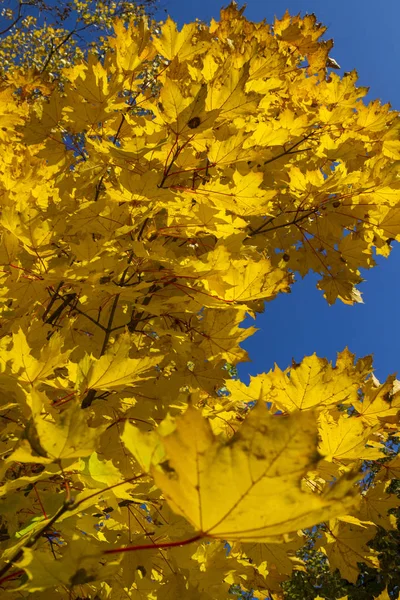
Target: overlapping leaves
<point>147,205</point>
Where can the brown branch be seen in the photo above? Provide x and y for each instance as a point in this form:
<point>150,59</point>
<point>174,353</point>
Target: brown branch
<point>139,237</point>
<point>91,394</point>
<point>136,318</point>
<point>17,18</point>
<point>69,504</point>
<point>290,150</point>
<point>76,309</point>
<point>294,222</point>
<point>64,41</point>
<point>168,168</point>
<point>119,128</point>
<point>55,49</point>
<point>11,576</point>
<point>98,187</point>
<point>32,541</point>
<point>53,299</point>
<point>258,230</point>
<point>66,300</point>
<point>129,322</point>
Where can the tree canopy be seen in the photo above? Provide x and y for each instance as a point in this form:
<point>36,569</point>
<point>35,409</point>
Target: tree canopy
<point>153,194</point>
<point>47,35</point>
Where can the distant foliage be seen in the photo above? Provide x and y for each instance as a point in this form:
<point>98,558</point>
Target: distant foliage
<point>40,35</point>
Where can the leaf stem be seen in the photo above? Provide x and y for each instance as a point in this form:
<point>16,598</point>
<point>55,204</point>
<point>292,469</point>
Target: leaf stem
<point>156,546</point>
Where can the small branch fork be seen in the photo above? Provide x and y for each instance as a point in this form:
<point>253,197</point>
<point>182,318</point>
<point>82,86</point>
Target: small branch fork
<point>68,504</point>
<point>17,18</point>
<point>135,319</point>
<point>295,221</point>
<point>68,300</point>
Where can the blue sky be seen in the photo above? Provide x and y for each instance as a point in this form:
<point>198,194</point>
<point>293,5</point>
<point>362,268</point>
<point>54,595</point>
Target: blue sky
<point>366,36</point>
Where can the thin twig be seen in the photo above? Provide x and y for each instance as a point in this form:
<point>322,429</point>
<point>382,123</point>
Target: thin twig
<point>32,541</point>
<point>91,394</point>
<point>294,222</point>
<point>69,504</point>
<point>17,18</point>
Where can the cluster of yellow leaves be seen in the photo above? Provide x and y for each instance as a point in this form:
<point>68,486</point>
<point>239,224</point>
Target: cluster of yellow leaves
<point>38,37</point>
<point>144,212</point>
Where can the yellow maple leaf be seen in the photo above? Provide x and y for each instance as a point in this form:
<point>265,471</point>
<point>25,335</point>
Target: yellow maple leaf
<point>133,49</point>
<point>314,383</point>
<point>113,370</point>
<point>153,192</point>
<point>228,151</point>
<point>275,557</point>
<point>220,335</point>
<point>227,93</point>
<point>27,368</point>
<point>244,198</point>
<point>378,403</point>
<point>347,546</point>
<point>79,564</point>
<point>172,43</point>
<point>250,281</point>
<point>346,439</point>
<point>247,488</point>
<point>375,504</point>
<point>258,389</point>
<point>390,470</point>
<point>95,473</point>
<point>65,436</point>
<point>173,102</point>
<point>391,148</point>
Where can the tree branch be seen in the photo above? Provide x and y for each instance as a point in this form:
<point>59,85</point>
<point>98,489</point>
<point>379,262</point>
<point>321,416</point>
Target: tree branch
<point>68,504</point>
<point>294,222</point>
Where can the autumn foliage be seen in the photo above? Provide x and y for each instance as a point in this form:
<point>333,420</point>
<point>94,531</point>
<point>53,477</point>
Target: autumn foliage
<point>151,198</point>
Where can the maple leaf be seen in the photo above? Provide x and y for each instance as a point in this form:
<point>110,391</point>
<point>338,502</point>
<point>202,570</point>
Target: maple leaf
<point>314,383</point>
<point>94,472</point>
<point>264,461</point>
<point>79,565</point>
<point>346,439</point>
<point>113,370</point>
<point>380,402</point>
<point>220,335</point>
<point>68,436</point>
<point>347,546</point>
<point>275,562</point>
<point>390,470</point>
<point>134,49</point>
<point>376,503</point>
<point>172,43</point>
<point>27,368</point>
